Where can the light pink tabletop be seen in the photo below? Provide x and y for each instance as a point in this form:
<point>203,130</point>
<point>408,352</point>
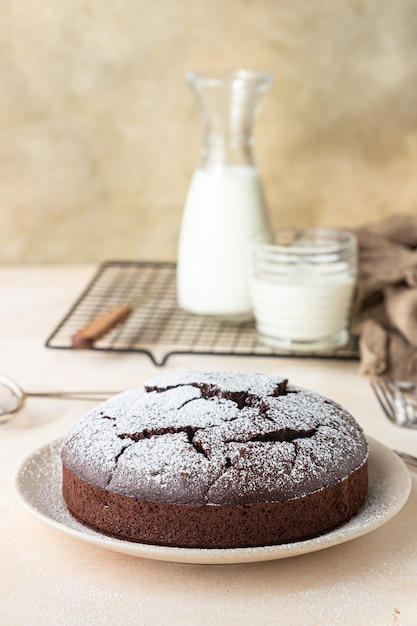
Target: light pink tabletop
<point>52,578</point>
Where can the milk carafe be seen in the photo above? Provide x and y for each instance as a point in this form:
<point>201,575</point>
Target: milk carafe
<point>225,205</point>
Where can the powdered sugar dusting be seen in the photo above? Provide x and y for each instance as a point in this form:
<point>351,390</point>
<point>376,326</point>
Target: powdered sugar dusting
<point>215,438</point>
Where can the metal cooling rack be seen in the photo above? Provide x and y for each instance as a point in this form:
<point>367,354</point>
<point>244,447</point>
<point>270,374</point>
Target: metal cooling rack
<point>158,327</point>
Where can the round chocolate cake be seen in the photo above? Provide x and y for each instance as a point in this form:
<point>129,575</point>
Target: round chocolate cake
<point>215,460</point>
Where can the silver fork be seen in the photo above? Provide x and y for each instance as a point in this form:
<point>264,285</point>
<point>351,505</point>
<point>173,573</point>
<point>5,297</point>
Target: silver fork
<point>397,400</point>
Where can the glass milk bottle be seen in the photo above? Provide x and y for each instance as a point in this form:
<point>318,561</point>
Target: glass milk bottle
<point>225,205</point>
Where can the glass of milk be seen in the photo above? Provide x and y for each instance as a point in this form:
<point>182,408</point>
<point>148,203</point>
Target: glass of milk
<point>225,205</point>
<point>302,283</point>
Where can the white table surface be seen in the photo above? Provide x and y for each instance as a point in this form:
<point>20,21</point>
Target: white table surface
<point>49,577</point>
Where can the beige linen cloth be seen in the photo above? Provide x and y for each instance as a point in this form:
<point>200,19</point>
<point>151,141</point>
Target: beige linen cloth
<point>384,314</point>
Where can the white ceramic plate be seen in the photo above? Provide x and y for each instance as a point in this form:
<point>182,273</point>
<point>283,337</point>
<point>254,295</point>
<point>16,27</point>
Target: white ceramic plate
<point>38,485</point>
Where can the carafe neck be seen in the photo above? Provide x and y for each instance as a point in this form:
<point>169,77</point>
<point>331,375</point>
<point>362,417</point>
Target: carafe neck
<point>228,104</point>
<point>221,150</point>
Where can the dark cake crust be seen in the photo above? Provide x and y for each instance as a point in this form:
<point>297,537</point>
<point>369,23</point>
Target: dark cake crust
<point>212,460</point>
<point>216,526</point>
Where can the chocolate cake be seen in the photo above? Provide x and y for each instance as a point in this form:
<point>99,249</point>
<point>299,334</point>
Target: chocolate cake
<point>215,460</point>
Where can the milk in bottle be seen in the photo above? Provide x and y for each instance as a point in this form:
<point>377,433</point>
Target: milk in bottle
<point>222,213</point>
<point>225,205</point>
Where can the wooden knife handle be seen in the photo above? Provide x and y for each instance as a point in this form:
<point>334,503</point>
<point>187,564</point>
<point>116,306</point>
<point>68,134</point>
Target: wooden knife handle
<point>100,326</point>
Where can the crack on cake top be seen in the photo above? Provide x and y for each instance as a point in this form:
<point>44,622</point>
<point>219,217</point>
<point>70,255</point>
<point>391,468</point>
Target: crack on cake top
<point>285,434</point>
<point>221,397</point>
<point>241,398</point>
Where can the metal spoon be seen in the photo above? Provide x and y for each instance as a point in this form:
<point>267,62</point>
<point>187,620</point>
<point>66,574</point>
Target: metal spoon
<point>12,396</point>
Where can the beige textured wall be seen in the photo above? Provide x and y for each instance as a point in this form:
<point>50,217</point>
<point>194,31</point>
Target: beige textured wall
<point>99,134</point>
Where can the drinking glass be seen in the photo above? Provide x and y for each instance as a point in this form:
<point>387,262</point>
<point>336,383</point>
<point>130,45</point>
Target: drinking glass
<point>302,283</point>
